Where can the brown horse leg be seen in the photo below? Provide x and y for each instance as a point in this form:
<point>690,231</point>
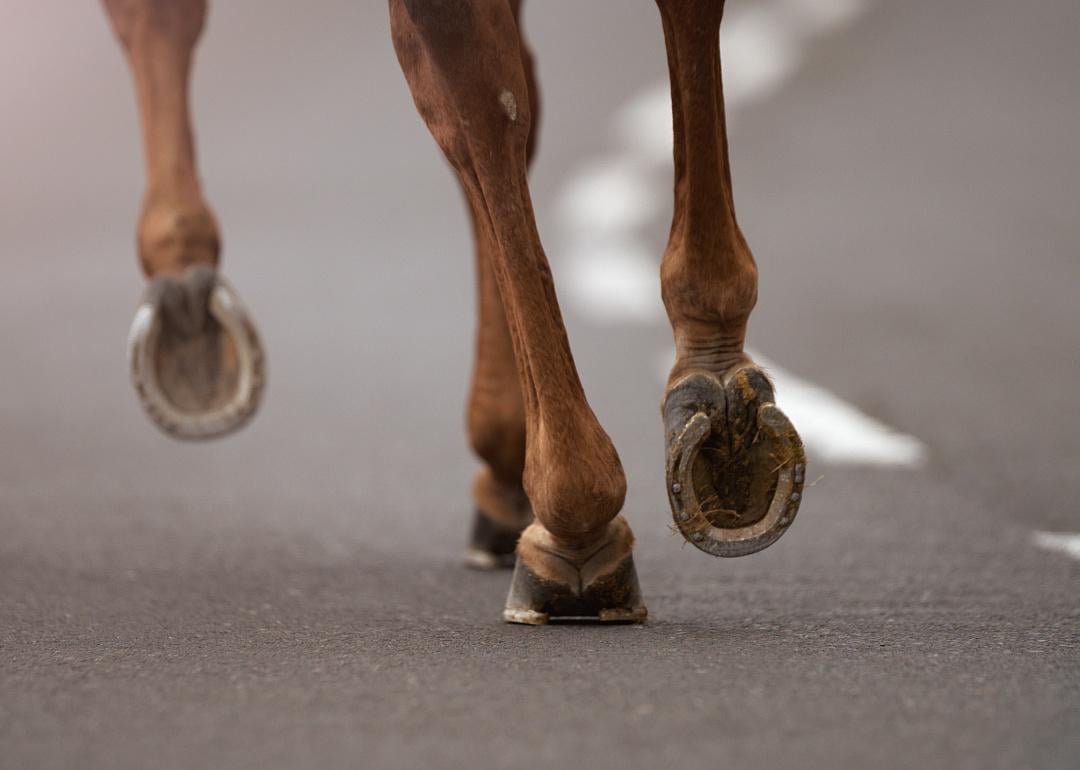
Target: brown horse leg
<point>463,62</point>
<point>496,412</point>
<point>735,463</point>
<point>196,359</point>
<point>177,229</point>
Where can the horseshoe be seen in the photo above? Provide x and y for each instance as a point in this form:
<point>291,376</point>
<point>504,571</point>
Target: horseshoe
<point>707,401</point>
<point>213,419</point>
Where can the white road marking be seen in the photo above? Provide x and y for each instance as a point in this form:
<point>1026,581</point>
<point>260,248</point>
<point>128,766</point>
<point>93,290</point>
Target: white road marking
<point>761,48</point>
<point>1067,543</point>
<point>612,273</point>
<point>610,195</point>
<point>615,279</point>
<point>834,431</point>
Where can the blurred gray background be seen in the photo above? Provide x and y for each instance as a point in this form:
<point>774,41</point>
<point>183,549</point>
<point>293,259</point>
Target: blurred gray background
<point>292,596</point>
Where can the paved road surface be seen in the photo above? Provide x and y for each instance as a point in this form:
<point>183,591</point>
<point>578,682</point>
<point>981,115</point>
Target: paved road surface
<point>292,597</point>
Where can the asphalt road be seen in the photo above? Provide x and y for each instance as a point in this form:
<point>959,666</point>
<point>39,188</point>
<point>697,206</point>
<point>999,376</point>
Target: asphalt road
<point>292,596</point>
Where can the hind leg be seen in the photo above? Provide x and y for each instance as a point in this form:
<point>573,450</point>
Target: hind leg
<point>496,410</point>
<point>735,464</point>
<point>463,62</point>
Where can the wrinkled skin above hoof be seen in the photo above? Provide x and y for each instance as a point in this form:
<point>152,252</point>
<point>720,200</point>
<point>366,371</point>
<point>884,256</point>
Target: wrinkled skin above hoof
<point>196,360</point>
<point>553,584</point>
<point>735,463</point>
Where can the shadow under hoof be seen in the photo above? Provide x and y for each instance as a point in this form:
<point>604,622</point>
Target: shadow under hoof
<point>196,360</point>
<point>611,598</point>
<point>735,463</point>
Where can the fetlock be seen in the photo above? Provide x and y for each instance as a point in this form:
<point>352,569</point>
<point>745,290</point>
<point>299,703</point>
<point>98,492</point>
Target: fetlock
<point>174,236</point>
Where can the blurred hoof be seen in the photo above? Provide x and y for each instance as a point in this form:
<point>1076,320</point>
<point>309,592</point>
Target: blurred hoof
<point>196,360</point>
<point>735,463</point>
<point>492,544</point>
<point>600,585</point>
<point>502,513</point>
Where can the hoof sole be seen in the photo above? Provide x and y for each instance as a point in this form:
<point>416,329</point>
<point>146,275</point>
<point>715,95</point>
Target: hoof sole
<point>195,358</point>
<point>735,463</point>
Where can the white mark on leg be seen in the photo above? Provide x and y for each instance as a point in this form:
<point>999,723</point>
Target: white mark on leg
<point>509,105</point>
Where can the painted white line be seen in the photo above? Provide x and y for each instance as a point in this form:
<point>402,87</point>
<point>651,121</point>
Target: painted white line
<point>1067,543</point>
<point>834,431</point>
<point>761,48</point>
<point>615,280</point>
<point>643,126</point>
<point>608,195</point>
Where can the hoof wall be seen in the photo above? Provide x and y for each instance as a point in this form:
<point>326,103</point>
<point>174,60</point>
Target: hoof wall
<point>611,598</point>
<point>526,617</point>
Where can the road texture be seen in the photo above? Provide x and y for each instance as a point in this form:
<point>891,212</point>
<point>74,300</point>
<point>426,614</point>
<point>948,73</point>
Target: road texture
<point>292,596</point>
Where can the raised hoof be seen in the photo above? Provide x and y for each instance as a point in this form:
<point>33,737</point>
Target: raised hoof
<point>196,360</point>
<point>735,463</point>
<point>492,544</point>
<point>594,588</point>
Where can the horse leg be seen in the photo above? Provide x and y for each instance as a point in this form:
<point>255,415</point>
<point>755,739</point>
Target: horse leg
<point>735,464</point>
<point>177,229</point>
<point>496,411</point>
<point>196,359</point>
<point>463,62</point>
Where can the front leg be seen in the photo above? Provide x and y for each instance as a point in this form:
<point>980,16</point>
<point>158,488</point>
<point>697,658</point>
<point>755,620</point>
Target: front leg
<point>735,464</point>
<point>463,62</point>
<point>196,360</point>
<point>496,412</point>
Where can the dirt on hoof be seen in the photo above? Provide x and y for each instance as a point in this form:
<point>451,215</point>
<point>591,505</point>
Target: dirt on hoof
<point>735,463</point>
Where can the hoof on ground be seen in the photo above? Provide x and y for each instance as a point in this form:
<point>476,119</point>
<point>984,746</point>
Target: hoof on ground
<point>550,585</point>
<point>196,360</point>
<point>735,463</point>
